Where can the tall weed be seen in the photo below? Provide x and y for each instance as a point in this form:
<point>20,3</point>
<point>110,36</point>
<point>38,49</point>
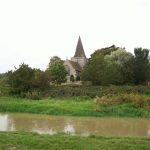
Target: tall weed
<point>136,99</point>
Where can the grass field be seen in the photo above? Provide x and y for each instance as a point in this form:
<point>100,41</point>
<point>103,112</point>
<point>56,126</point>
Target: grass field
<point>71,107</point>
<point>32,141</point>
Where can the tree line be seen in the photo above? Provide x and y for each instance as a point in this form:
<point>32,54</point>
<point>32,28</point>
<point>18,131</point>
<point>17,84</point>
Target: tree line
<point>27,80</point>
<point>114,65</point>
<point>106,66</point>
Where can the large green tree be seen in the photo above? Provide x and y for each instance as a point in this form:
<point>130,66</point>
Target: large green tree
<point>4,86</point>
<point>142,65</point>
<point>41,80</point>
<point>54,60</point>
<point>120,67</point>
<point>21,80</point>
<point>111,65</point>
<point>57,70</point>
<point>94,69</point>
<point>25,79</point>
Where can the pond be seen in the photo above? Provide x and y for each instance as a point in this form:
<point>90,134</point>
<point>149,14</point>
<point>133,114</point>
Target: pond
<point>84,126</point>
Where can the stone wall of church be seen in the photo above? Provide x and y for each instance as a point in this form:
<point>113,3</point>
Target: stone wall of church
<point>81,61</point>
<point>70,70</point>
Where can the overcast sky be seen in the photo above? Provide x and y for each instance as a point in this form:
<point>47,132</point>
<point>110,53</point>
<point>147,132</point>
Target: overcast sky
<point>32,31</point>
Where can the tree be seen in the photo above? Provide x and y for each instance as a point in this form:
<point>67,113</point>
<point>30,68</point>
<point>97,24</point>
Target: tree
<point>57,70</point>
<point>4,86</point>
<point>120,66</point>
<point>25,79</point>
<point>41,80</point>
<point>110,65</point>
<point>112,74</point>
<point>54,60</point>
<point>21,80</point>
<point>105,51</point>
<point>142,65</point>
<point>94,69</point>
<point>77,78</point>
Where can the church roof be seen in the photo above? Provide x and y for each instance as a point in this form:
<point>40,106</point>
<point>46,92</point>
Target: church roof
<point>79,49</point>
<point>75,65</point>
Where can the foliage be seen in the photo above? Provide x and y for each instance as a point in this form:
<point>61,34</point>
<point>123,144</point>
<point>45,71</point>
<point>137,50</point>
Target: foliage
<point>54,60</point>
<point>56,70</point>
<point>77,78</point>
<point>112,74</point>
<point>137,100</point>
<point>4,86</point>
<point>94,69</point>
<point>93,91</point>
<point>142,65</point>
<point>105,51</point>
<point>21,80</point>
<point>41,80</point>
<point>33,95</point>
<point>119,68</point>
<point>74,90</point>
<point>25,79</point>
<point>112,65</point>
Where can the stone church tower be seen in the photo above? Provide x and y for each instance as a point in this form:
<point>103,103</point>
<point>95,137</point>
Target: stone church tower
<point>76,64</point>
<point>79,55</point>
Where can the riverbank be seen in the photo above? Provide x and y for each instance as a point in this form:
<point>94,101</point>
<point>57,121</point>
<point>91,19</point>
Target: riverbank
<point>25,140</point>
<point>71,107</point>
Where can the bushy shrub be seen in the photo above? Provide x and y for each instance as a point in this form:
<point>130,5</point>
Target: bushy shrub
<point>33,95</point>
<point>77,78</point>
<point>122,98</point>
<point>73,90</point>
<point>23,95</point>
<point>4,91</point>
<point>93,91</point>
<point>137,100</point>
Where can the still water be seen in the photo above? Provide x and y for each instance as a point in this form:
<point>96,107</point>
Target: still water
<point>45,124</point>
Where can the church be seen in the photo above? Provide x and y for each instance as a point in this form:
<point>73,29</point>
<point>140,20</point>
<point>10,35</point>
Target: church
<point>76,64</point>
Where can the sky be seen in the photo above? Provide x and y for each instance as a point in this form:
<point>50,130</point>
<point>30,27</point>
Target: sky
<point>32,31</point>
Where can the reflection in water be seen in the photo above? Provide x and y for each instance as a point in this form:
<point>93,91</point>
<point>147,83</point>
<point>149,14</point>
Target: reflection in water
<point>69,129</point>
<point>44,131</point>
<point>148,132</point>
<point>3,122</point>
<point>6,123</point>
<point>44,124</point>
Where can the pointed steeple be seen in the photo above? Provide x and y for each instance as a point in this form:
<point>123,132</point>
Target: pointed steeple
<point>79,49</point>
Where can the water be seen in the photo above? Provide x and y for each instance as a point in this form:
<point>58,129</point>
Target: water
<point>44,124</point>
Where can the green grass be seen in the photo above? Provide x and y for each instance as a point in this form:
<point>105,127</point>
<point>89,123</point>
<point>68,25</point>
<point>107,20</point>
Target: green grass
<point>32,141</point>
<point>71,107</point>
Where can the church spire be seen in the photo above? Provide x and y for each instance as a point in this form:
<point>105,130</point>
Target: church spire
<point>79,49</point>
